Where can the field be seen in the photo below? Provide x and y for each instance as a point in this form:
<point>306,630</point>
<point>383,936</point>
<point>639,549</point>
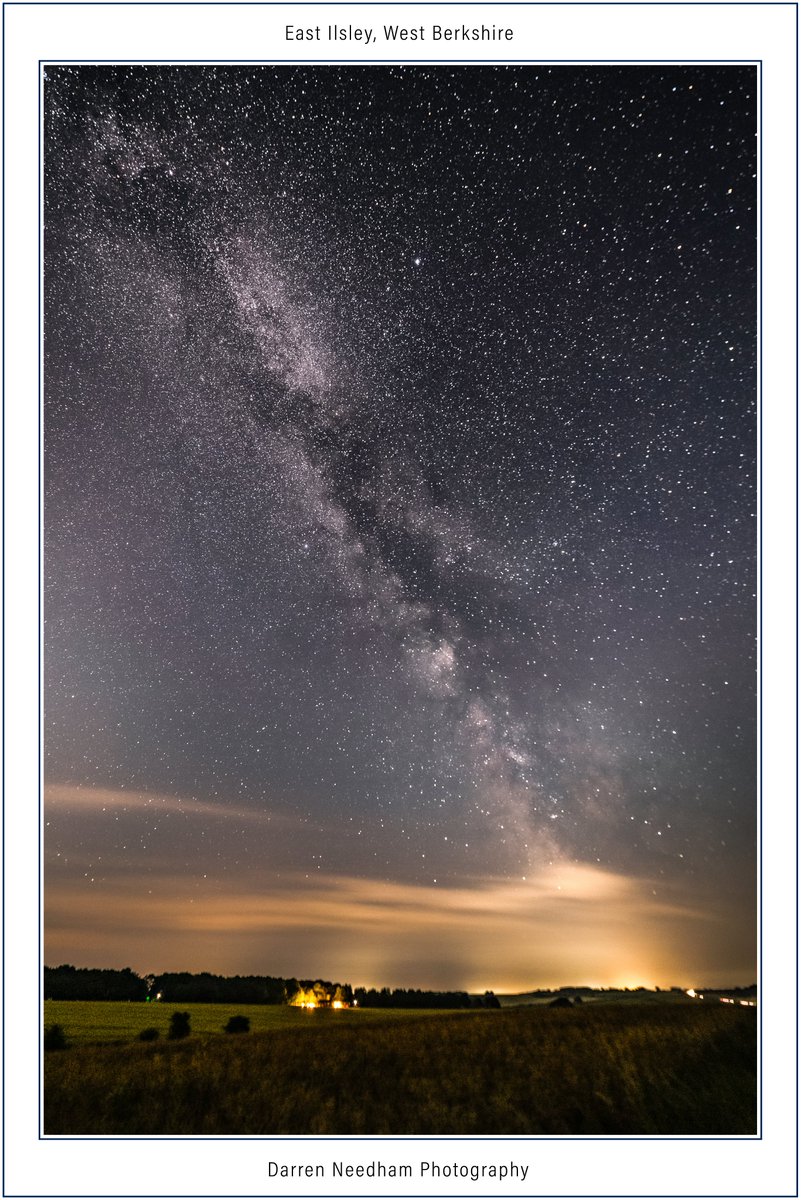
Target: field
<point>526,999</point>
<point>596,1069</point>
<point>90,1022</point>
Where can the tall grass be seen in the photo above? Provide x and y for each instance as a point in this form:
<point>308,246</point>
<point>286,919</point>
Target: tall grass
<point>626,1070</point>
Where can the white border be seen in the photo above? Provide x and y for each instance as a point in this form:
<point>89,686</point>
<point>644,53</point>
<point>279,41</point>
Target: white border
<point>682,1167</point>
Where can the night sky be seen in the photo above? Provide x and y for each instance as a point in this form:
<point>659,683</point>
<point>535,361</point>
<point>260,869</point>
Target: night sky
<point>400,448</point>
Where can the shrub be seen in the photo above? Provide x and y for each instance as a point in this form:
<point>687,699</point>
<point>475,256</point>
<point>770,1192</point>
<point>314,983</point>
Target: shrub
<point>179,1025</point>
<point>238,1024</point>
<point>149,1035</point>
<point>55,1038</point>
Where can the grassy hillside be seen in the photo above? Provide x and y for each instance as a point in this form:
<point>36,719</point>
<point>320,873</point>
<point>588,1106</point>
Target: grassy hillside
<point>596,1070</point>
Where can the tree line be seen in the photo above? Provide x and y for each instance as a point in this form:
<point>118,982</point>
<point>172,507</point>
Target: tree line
<point>415,998</point>
<point>88,983</point>
<point>67,982</point>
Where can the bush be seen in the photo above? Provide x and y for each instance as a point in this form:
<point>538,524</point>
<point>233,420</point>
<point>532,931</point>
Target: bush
<point>238,1024</point>
<point>149,1035</point>
<point>179,1025</point>
<point>55,1038</point>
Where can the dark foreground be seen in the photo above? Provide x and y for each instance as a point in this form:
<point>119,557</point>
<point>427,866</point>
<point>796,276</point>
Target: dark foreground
<point>685,1069</point>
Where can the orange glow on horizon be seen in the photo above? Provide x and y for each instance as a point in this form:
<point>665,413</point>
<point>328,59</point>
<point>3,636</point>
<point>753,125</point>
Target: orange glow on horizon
<point>566,924</point>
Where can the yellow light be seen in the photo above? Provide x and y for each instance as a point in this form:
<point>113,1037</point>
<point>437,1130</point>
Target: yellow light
<point>337,1004</point>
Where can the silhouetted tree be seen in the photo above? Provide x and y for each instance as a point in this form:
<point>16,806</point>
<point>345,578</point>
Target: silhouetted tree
<point>55,1038</point>
<point>179,1025</point>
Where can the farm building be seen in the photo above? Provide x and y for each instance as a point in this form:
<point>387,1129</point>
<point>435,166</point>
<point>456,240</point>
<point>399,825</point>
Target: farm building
<point>319,995</point>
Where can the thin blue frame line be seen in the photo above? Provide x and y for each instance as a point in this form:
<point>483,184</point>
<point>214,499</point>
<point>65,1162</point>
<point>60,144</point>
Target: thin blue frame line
<point>3,601</point>
<point>247,3</point>
<point>407,1196</point>
<point>407,3</point>
<point>757,64</point>
<point>405,1137</point>
<point>796,601</point>
<point>411,62</point>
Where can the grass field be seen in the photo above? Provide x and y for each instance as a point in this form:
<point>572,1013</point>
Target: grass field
<point>86,1022</point>
<point>626,1069</point>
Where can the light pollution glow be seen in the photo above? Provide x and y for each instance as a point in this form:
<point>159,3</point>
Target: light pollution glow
<point>565,922</point>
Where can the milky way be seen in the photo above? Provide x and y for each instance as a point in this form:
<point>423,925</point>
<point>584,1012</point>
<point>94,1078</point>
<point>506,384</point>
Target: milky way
<point>400,448</point>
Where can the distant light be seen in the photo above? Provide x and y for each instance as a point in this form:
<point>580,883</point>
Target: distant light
<point>337,1004</point>
<point>692,992</point>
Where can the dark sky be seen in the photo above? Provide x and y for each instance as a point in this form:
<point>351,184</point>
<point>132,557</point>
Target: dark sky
<point>400,528</point>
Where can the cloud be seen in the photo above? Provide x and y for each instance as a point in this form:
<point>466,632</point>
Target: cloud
<point>67,797</point>
<point>571,922</point>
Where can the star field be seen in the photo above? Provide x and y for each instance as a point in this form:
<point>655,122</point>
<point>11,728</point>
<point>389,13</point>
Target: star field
<point>400,457</point>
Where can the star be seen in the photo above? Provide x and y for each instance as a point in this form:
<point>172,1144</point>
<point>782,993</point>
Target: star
<point>452,575</point>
